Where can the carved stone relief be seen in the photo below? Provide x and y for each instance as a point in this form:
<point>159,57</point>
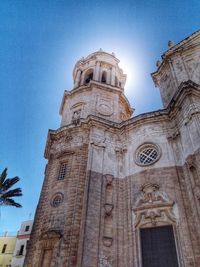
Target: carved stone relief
<point>76,117</point>
<point>153,207</point>
<point>104,106</point>
<point>108,208</point>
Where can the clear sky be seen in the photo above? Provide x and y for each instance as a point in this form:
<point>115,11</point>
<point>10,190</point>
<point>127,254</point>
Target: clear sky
<point>40,44</point>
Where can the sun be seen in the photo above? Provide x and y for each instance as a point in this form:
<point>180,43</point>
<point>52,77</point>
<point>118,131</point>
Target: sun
<point>132,70</point>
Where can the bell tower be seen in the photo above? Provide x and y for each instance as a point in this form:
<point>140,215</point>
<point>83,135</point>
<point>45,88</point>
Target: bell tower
<point>98,90</point>
<point>74,172</point>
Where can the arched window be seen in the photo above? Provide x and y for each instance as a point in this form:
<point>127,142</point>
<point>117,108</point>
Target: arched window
<point>104,77</point>
<point>116,81</point>
<point>88,76</point>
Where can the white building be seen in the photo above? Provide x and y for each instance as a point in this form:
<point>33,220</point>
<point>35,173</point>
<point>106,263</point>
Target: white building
<point>23,236</point>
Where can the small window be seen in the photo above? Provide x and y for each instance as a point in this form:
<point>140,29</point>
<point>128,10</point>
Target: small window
<point>27,228</point>
<point>62,171</point>
<point>57,200</point>
<point>4,248</point>
<point>21,250</point>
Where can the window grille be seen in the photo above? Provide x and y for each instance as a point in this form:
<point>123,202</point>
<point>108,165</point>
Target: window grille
<point>147,154</point>
<point>57,200</point>
<point>62,171</point>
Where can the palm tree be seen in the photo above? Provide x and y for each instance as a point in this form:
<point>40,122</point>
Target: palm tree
<point>6,194</point>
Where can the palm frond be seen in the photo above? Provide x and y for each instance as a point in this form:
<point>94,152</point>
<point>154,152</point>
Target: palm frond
<point>3,176</point>
<point>8,183</point>
<point>11,202</point>
<point>6,194</point>
<point>17,192</point>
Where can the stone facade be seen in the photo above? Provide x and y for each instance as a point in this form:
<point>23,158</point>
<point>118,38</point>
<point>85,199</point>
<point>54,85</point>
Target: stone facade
<point>109,175</point>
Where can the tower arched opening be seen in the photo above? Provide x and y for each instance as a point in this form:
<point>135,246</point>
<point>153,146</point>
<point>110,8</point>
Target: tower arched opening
<point>104,77</point>
<point>88,76</point>
<point>116,81</point>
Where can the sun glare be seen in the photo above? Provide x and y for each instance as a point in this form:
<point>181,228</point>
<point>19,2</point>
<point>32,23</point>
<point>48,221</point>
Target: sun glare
<point>132,70</point>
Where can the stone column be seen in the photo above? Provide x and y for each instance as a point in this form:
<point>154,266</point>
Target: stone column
<point>82,78</point>
<point>97,70</point>
<point>109,76</point>
<point>113,76</point>
<point>77,79</point>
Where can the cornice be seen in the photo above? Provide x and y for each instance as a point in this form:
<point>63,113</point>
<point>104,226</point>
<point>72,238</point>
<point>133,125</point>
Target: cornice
<point>98,85</point>
<point>185,89</point>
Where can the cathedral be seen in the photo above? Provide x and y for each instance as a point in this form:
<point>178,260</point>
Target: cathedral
<point>123,190</point>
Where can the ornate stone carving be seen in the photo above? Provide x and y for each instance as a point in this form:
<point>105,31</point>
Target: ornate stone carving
<point>153,207</point>
<point>76,117</point>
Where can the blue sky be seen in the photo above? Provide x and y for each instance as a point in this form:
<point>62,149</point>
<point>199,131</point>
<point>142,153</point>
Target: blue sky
<point>40,44</point>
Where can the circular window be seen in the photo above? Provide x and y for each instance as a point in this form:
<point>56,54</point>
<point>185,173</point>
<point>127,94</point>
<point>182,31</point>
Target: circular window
<point>57,200</point>
<point>147,154</point>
